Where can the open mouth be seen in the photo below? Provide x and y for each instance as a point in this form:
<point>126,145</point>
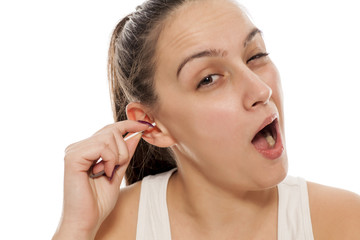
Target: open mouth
<point>267,137</point>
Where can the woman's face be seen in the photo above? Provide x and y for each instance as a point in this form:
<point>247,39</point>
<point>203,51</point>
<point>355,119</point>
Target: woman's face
<point>217,88</point>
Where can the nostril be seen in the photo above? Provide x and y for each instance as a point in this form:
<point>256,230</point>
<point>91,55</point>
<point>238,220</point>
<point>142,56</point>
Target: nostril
<point>264,98</point>
<point>256,103</point>
<point>257,94</point>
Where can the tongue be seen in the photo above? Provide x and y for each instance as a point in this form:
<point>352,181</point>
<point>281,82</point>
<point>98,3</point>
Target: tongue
<point>260,142</point>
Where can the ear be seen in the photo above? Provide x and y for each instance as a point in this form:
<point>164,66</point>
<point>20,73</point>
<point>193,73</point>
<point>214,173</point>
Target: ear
<point>158,135</point>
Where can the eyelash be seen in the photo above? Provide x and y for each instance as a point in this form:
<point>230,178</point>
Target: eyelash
<point>259,55</point>
<point>201,83</point>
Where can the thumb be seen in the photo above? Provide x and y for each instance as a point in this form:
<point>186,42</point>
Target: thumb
<point>132,144</point>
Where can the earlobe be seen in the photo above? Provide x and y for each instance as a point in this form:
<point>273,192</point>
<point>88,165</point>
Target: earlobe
<point>157,135</point>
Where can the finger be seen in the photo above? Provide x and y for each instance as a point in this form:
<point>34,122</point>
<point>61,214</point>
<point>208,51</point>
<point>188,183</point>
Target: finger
<point>117,130</point>
<point>132,144</point>
<point>83,158</point>
<point>97,170</point>
<point>119,174</point>
<point>109,160</point>
<point>126,126</point>
<point>98,174</point>
<point>91,150</point>
<point>123,152</point>
<point>110,140</point>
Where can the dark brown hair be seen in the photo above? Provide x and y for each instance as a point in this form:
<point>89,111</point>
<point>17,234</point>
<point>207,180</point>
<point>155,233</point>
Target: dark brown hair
<point>131,67</point>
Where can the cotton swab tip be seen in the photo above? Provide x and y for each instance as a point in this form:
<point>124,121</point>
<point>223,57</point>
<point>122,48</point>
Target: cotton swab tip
<point>136,133</point>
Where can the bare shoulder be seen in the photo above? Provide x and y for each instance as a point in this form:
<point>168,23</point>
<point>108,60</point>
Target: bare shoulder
<point>335,213</point>
<point>122,221</point>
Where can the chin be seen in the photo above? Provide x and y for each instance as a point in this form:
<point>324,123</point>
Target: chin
<point>271,177</point>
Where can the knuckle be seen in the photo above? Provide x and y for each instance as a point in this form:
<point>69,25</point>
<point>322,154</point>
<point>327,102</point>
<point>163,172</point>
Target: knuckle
<point>123,156</point>
<point>68,157</point>
<point>102,130</point>
<point>104,145</point>
<point>68,152</point>
<point>110,127</point>
<point>68,148</point>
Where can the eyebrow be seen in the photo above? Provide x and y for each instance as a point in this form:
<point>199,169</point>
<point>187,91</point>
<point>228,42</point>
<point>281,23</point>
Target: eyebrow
<point>206,53</point>
<point>251,36</point>
<point>215,52</point>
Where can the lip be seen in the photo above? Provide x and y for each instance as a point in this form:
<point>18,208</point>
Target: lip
<point>278,149</point>
<point>267,121</point>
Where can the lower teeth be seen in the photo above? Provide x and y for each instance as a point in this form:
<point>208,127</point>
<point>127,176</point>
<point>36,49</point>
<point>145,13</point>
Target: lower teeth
<point>270,140</point>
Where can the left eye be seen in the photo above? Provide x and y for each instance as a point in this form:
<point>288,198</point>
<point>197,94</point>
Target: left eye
<point>259,55</point>
<point>208,80</point>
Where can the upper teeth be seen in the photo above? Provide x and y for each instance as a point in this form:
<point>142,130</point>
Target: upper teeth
<point>269,138</point>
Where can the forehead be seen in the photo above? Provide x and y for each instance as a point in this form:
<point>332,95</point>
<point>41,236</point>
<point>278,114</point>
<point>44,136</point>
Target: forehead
<point>201,24</point>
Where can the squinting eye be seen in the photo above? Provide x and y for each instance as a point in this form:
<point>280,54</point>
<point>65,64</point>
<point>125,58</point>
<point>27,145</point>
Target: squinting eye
<point>208,80</point>
<point>259,55</point>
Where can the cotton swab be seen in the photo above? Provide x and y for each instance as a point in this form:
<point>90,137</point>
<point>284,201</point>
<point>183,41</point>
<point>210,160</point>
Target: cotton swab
<point>136,133</point>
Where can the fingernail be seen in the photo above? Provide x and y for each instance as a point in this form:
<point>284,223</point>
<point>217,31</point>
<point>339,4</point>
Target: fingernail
<point>101,173</point>
<point>115,168</point>
<point>145,122</point>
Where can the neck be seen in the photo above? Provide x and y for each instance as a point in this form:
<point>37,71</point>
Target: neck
<point>192,197</point>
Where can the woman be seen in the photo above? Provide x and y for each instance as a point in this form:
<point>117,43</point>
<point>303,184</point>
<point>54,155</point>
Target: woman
<point>198,70</point>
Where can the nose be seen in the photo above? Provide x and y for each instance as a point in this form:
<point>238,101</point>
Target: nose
<point>256,91</point>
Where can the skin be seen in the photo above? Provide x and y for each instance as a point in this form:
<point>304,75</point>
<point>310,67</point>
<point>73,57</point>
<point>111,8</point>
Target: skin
<point>197,119</point>
<point>235,103</point>
<point>209,125</point>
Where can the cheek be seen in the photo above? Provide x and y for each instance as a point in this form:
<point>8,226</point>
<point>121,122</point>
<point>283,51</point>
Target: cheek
<point>199,123</point>
<point>184,115</point>
<point>216,119</point>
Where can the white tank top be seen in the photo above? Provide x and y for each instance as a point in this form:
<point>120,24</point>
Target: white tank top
<point>294,220</point>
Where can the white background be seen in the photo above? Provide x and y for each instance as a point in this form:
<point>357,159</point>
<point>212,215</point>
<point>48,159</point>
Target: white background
<point>53,91</point>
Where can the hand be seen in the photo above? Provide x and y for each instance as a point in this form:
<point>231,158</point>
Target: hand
<point>88,201</point>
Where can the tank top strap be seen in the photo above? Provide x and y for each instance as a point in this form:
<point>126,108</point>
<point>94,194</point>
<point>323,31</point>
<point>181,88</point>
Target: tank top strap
<point>153,219</point>
<point>294,221</point>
